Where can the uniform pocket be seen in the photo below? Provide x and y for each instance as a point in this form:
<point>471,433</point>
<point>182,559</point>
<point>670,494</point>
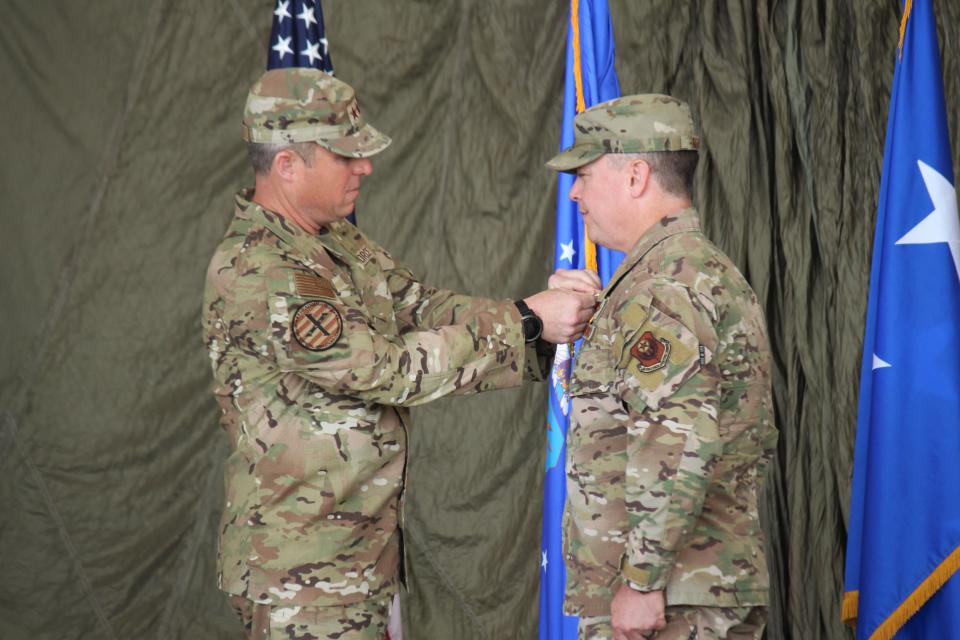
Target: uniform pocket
<point>659,358</point>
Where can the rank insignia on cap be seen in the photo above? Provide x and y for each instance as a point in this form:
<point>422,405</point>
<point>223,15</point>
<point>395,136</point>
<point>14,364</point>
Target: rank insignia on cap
<point>651,352</point>
<point>353,112</point>
<point>310,285</point>
<point>317,325</point>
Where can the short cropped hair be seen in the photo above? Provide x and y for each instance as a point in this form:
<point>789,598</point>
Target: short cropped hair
<point>673,170</point>
<point>261,154</point>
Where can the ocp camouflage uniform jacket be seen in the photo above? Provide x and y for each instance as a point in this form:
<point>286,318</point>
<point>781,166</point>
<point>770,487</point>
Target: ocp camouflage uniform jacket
<point>671,431</point>
<point>316,342</point>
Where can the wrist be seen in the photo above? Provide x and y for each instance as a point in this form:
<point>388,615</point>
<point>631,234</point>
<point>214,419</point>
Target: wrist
<point>532,324</point>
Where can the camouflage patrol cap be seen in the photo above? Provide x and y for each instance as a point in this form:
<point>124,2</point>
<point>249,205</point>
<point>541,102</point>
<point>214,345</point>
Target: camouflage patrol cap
<point>631,124</point>
<point>307,105</point>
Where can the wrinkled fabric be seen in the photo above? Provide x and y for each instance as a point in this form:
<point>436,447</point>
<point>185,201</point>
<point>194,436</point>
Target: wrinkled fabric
<point>671,431</point>
<point>123,143</point>
<point>318,344</point>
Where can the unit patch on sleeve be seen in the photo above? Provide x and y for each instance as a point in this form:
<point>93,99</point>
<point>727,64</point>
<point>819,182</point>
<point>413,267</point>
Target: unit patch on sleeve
<point>651,352</point>
<point>317,325</point>
<point>310,285</point>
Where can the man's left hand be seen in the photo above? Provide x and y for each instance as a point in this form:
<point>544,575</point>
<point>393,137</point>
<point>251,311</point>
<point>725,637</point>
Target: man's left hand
<point>636,615</point>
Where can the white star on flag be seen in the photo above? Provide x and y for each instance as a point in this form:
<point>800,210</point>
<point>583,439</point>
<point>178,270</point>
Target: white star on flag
<point>312,51</point>
<point>879,364</point>
<point>307,16</point>
<point>543,560</point>
<point>941,225</point>
<point>282,12</point>
<point>282,47</point>
<point>567,252</point>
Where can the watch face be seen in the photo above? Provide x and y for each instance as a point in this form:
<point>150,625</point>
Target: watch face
<point>532,327</point>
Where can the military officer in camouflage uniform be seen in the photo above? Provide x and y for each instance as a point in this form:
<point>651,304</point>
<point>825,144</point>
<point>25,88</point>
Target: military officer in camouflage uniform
<point>672,418</point>
<point>318,341</point>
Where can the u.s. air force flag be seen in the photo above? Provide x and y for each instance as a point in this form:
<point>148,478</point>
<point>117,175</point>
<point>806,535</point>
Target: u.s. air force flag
<point>590,78</point>
<point>904,538</point>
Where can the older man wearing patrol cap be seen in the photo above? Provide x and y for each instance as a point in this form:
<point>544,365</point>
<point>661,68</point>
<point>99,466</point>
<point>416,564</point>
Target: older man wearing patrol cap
<point>318,341</point>
<point>672,415</point>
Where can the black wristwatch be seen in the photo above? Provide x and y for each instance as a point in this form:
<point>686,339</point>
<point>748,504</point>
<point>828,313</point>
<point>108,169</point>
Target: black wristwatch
<point>532,325</point>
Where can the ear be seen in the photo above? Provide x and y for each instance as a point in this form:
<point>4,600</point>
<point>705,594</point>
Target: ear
<point>286,164</point>
<point>638,172</point>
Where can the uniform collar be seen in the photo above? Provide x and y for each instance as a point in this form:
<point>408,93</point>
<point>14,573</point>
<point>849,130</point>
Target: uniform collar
<point>682,221</point>
<point>334,237</point>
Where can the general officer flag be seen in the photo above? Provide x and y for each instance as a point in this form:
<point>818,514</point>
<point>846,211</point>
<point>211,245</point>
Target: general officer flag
<point>590,78</point>
<point>904,537</point>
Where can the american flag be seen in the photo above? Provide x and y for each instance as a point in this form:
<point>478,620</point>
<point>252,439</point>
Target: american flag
<point>298,38</point>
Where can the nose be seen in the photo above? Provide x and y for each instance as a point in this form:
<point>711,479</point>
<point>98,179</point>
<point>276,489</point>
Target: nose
<point>362,166</point>
<point>575,190</point>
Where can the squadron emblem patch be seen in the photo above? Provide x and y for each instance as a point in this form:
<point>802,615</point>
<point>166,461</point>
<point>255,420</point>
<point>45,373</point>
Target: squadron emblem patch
<point>317,325</point>
<point>651,352</point>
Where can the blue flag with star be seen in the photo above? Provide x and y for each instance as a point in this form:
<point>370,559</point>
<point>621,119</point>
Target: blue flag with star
<point>903,543</point>
<point>600,83</point>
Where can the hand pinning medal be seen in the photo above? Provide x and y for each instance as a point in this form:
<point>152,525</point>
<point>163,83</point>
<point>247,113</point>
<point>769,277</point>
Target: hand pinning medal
<point>317,325</point>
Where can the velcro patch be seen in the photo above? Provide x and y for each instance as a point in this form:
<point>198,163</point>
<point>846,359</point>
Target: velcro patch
<point>317,325</point>
<point>310,285</point>
<point>651,352</point>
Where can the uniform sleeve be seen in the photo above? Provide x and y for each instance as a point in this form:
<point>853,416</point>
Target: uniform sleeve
<point>671,393</point>
<point>334,344</point>
<point>419,307</point>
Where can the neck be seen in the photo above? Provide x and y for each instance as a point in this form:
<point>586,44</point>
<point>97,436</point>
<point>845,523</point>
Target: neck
<point>654,213</point>
<point>268,196</point>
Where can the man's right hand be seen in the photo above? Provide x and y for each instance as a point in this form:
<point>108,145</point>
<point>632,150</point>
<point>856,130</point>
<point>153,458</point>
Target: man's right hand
<point>564,313</point>
<point>582,280</point>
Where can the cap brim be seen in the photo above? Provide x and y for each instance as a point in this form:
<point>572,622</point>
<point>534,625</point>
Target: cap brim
<point>572,158</point>
<point>366,142</point>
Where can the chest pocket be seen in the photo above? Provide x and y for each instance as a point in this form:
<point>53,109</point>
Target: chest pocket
<point>594,371</point>
<point>658,358</point>
<point>373,293</point>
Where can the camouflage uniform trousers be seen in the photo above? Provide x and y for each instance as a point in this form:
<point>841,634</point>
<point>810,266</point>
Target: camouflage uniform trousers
<point>365,620</point>
<point>692,623</point>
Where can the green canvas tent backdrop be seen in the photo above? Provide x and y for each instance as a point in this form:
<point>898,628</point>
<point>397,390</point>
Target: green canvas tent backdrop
<point>121,154</point>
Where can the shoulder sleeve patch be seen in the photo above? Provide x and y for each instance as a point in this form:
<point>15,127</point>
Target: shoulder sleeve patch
<point>310,285</point>
<point>317,325</point>
<point>659,357</point>
<point>651,352</point>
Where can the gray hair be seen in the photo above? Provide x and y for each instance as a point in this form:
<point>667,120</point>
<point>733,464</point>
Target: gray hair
<point>261,154</point>
<point>673,170</point>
